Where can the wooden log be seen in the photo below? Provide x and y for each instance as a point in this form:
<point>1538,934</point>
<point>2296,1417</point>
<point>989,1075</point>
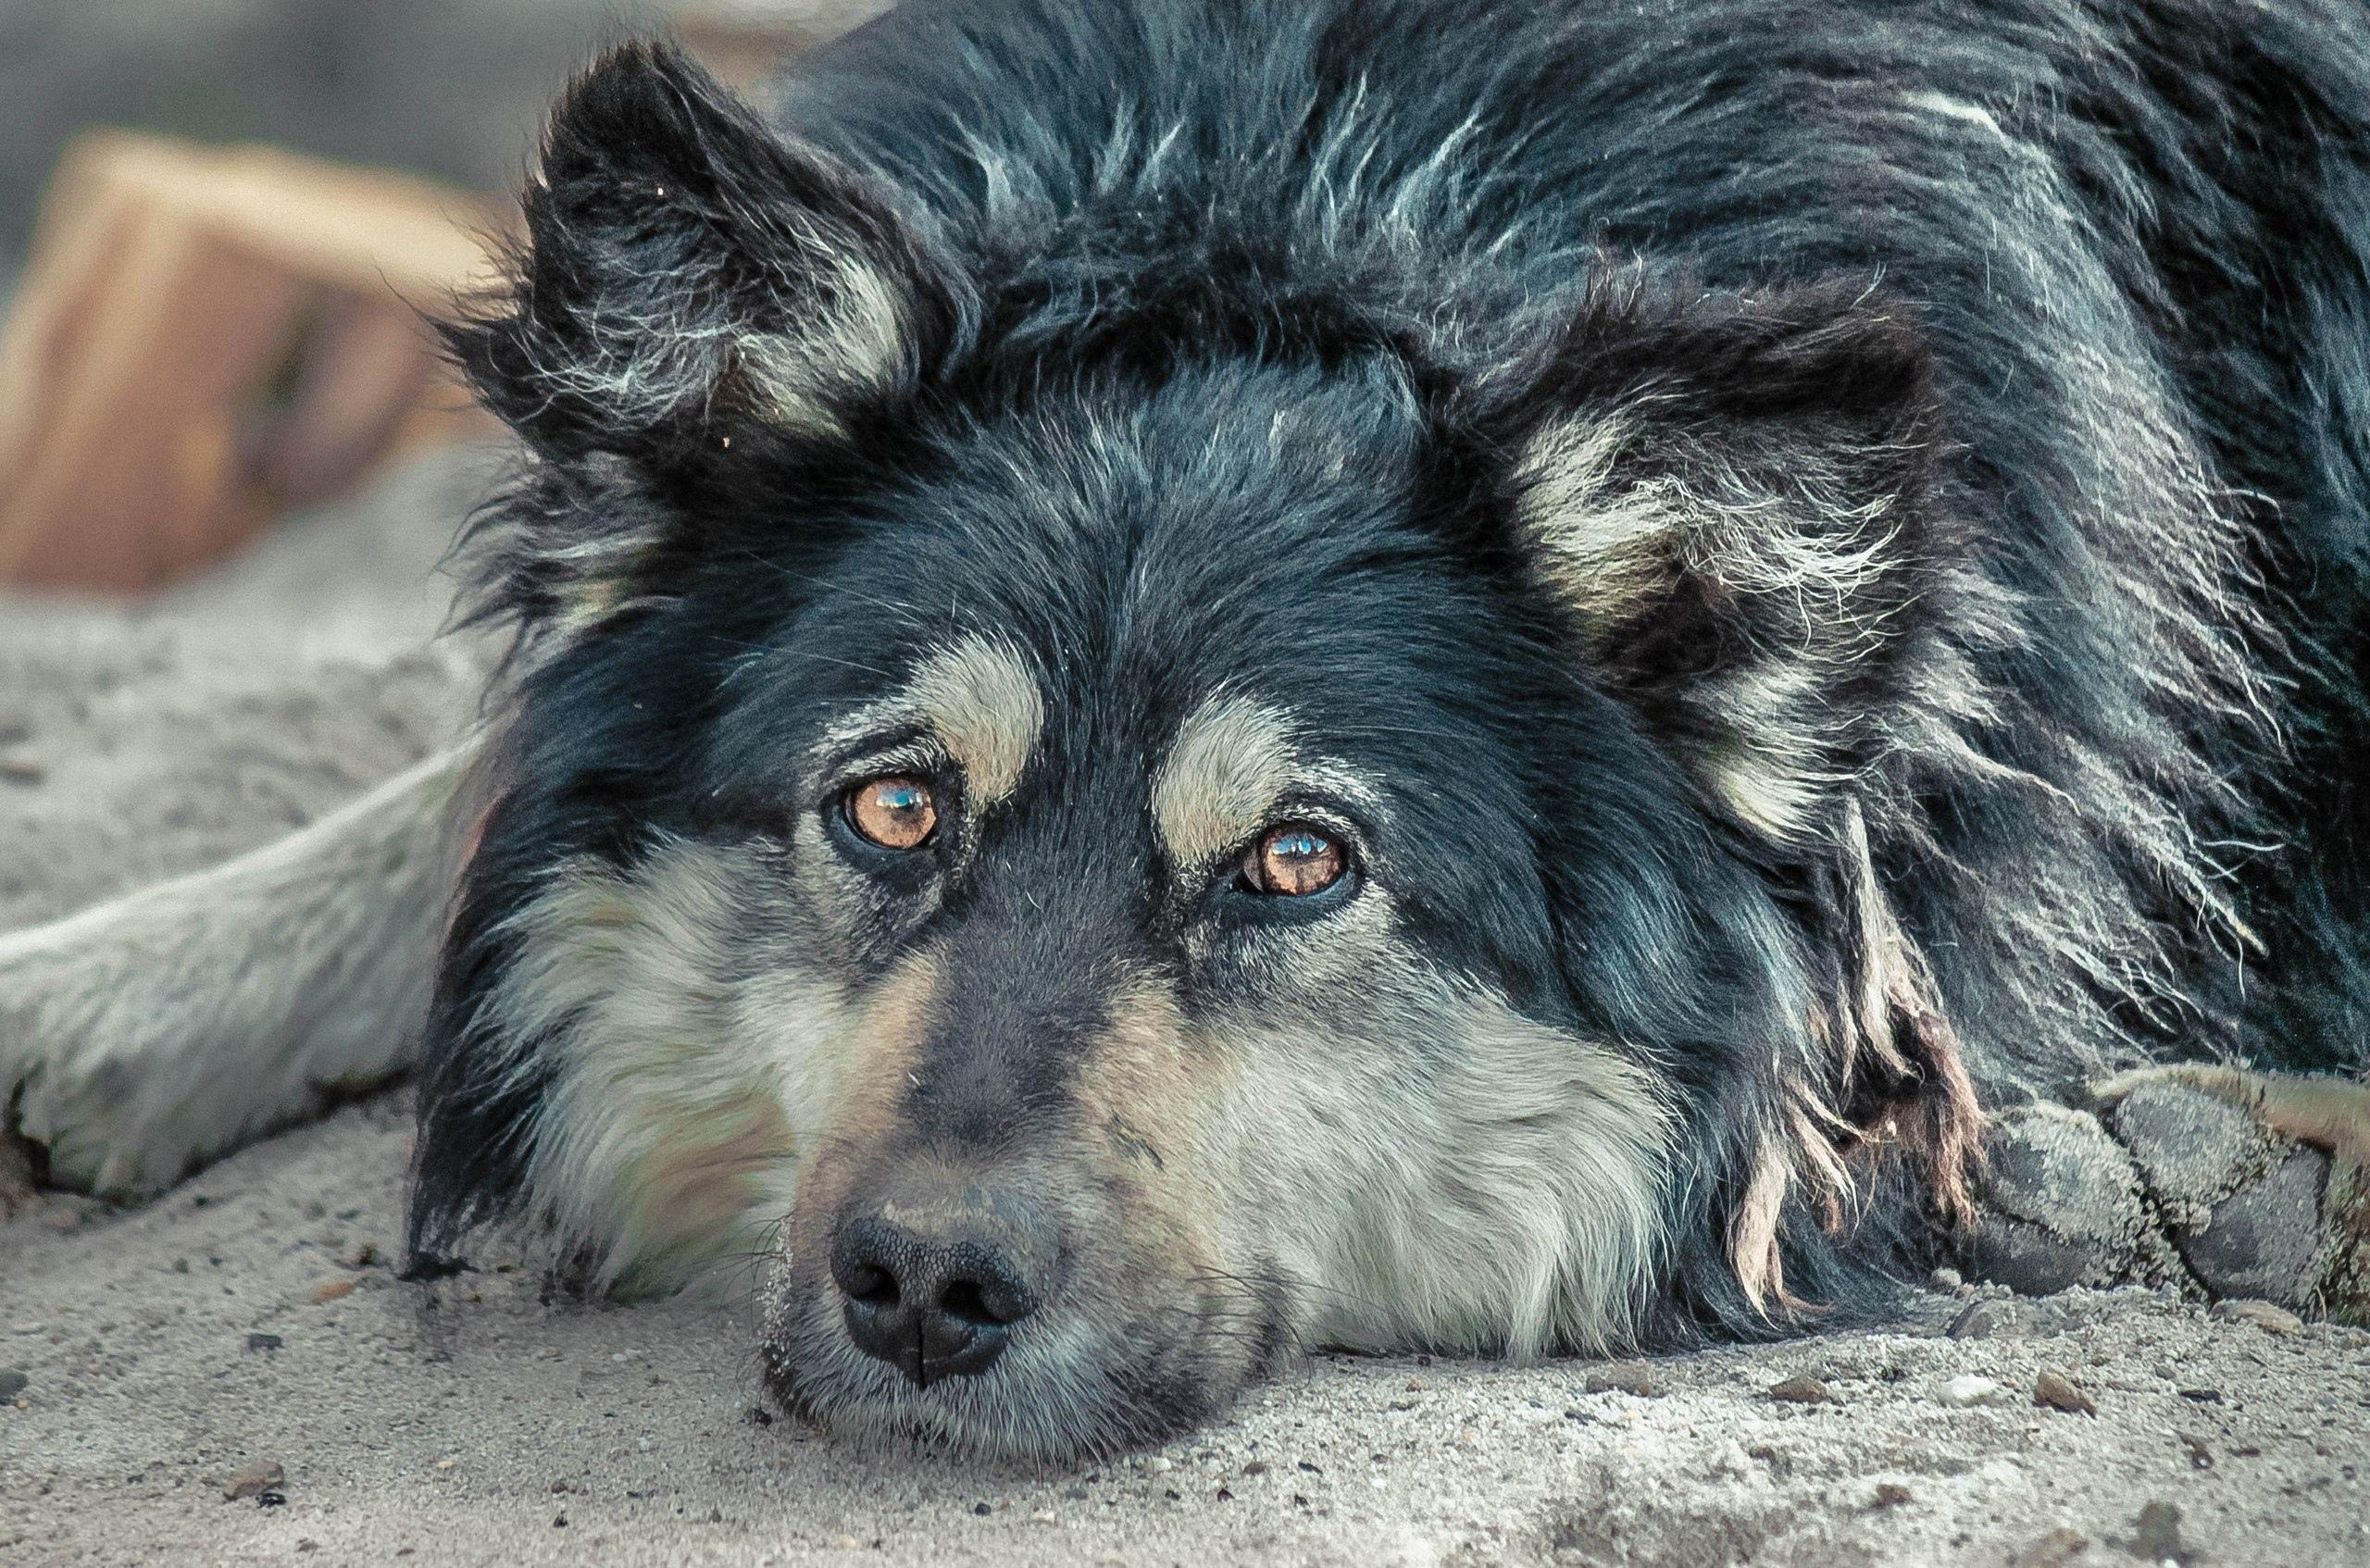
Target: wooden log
<point>204,337</point>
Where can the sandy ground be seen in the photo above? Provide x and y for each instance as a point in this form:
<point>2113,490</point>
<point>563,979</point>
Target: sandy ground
<point>249,1319</point>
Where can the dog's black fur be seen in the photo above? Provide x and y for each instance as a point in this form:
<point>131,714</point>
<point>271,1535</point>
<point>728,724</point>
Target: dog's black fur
<point>2025,345</point>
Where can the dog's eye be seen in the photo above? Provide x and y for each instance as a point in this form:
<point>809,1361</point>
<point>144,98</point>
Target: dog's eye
<point>896,811</point>
<point>1293,860</point>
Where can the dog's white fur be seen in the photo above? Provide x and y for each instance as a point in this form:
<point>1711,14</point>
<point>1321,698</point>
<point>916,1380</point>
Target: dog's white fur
<point>167,1028</point>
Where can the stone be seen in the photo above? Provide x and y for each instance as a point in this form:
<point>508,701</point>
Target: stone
<point>1971,1390</point>
<point>253,1480</point>
<point>2055,1389</point>
<point>2266,1316</point>
<point>1801,1390</point>
<point>1982,1320</point>
<point>1622,1377</point>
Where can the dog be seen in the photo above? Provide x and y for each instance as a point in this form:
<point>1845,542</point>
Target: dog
<point>1198,678</point>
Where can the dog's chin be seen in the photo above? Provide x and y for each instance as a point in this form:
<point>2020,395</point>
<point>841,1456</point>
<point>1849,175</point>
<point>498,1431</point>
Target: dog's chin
<point>1054,1397</point>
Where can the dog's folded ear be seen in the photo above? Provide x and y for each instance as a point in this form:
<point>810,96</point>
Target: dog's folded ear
<point>1732,501</point>
<point>1730,496</point>
<point>688,272</point>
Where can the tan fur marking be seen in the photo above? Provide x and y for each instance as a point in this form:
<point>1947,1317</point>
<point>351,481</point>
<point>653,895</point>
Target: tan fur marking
<point>983,703</point>
<point>872,1076</point>
<point>1231,760</point>
<point>1606,549</point>
<point>1752,1234</point>
<point>850,342</point>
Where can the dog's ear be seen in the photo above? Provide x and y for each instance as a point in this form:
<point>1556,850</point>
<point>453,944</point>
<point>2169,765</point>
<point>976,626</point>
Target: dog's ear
<point>688,272</point>
<point>1732,499</point>
<point>1730,496</point>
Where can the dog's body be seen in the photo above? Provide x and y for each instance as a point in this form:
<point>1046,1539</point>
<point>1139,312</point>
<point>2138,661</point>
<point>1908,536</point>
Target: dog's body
<point>1202,676</point>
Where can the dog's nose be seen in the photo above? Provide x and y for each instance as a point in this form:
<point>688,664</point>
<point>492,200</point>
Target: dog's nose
<point>930,1305</point>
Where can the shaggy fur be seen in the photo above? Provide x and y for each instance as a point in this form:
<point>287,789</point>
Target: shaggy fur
<point>1832,552</point>
<point>1811,561</point>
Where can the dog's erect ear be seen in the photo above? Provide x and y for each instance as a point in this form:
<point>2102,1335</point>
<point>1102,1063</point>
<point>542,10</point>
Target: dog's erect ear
<point>1730,496</point>
<point>687,271</point>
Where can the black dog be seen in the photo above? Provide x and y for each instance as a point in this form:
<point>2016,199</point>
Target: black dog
<point>1202,676</point>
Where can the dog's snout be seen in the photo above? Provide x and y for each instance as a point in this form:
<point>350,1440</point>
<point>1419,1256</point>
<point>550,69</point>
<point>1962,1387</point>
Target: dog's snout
<point>933,1300</point>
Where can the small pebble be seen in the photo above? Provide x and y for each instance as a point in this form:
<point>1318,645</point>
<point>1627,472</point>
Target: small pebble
<point>1890,1494</point>
<point>2156,1535</point>
<point>2056,1390</point>
<point>2263,1315</point>
<point>2054,1549</point>
<point>252,1480</point>
<point>1160,1464</point>
<point>1622,1377</point>
<point>12,1382</point>
<point>333,1289</point>
<point>982,1510</point>
<point>1981,1320</point>
<point>1970,1389</point>
<point>1945,1279</point>
<point>1801,1391</point>
<point>263,1341</point>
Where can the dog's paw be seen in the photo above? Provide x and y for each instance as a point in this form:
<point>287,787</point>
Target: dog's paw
<point>95,1065</point>
<point>2221,1182</point>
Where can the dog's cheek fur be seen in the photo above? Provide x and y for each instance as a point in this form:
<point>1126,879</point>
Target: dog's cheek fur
<point>1411,1163</point>
<point>680,1071</point>
<point>1511,1198</point>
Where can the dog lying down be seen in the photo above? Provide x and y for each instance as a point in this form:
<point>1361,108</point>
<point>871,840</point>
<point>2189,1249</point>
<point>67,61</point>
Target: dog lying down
<point>1196,677</point>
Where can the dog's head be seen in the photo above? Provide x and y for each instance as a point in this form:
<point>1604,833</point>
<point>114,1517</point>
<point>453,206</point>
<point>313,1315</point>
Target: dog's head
<point>1101,829</point>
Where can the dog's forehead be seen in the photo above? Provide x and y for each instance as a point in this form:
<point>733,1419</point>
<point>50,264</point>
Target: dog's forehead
<point>1179,605</point>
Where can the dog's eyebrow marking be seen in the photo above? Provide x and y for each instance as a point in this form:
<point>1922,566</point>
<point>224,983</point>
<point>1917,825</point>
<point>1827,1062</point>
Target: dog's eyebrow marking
<point>979,698</point>
<point>1231,759</point>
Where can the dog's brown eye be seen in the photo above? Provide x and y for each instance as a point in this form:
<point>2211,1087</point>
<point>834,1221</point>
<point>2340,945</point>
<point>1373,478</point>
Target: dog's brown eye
<point>895,813</point>
<point>1294,861</point>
